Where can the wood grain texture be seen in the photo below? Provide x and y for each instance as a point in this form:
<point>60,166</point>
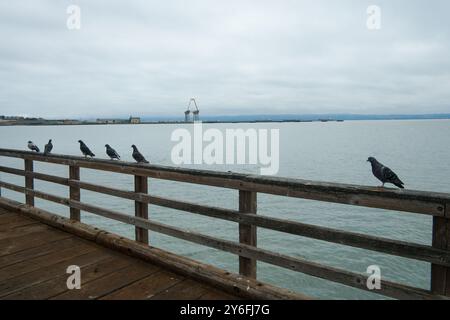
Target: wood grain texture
<point>186,288</point>
<point>440,275</point>
<point>74,192</point>
<point>141,208</point>
<point>29,182</point>
<point>148,287</point>
<point>36,269</point>
<point>33,266</point>
<point>247,232</point>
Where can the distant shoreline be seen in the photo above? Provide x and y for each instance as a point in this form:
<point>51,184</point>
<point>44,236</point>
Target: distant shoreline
<point>78,123</point>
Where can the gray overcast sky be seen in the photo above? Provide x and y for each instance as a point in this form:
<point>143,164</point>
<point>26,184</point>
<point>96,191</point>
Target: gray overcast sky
<point>236,57</point>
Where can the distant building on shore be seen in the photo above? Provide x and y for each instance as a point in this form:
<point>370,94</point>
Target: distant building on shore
<point>132,120</point>
<point>109,121</point>
<point>135,120</point>
<point>70,122</point>
<point>15,118</point>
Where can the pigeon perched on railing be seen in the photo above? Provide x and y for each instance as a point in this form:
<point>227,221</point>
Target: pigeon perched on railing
<point>384,174</point>
<point>85,150</point>
<point>48,147</point>
<point>111,152</point>
<point>32,146</point>
<point>138,156</point>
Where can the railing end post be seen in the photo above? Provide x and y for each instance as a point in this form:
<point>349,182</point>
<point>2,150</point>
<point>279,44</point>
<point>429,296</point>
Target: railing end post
<point>440,275</point>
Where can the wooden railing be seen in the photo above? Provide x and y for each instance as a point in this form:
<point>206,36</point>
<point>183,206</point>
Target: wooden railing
<point>436,205</point>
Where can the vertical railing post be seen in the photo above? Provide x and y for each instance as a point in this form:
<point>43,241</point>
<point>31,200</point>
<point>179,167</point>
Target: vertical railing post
<point>247,233</point>
<point>29,182</point>
<point>74,192</point>
<point>440,275</point>
<point>141,208</point>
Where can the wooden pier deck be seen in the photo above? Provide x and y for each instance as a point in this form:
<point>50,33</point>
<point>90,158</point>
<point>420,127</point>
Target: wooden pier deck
<point>34,258</point>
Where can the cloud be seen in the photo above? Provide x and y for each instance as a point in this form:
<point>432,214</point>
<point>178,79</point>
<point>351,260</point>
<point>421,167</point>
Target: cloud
<point>235,57</point>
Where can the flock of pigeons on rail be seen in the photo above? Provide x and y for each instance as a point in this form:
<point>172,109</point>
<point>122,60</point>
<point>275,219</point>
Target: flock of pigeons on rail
<point>381,172</point>
<point>88,153</point>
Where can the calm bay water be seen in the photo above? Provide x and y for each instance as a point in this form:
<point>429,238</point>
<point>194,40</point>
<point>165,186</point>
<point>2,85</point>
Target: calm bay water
<point>336,152</point>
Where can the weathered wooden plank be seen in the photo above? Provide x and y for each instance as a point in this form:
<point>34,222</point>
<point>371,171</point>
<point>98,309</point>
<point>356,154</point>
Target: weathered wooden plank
<point>17,226</point>
<point>114,281</point>
<point>141,208</point>
<point>47,273</point>
<point>84,231</point>
<point>146,288</point>
<point>35,175</point>
<point>372,197</point>
<point>217,295</point>
<point>403,200</point>
<point>440,275</point>
<point>57,285</point>
<point>26,266</point>
<point>224,280</point>
<point>22,242</point>
<point>186,289</point>
<point>10,220</point>
<point>74,192</point>
<point>34,193</point>
<point>25,230</point>
<point>37,251</point>
<point>15,171</point>
<point>247,233</point>
<point>29,182</point>
<point>14,224</point>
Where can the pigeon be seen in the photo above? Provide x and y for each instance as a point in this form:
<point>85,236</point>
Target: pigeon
<point>32,146</point>
<point>111,152</point>
<point>48,147</point>
<point>85,150</point>
<point>384,174</point>
<point>138,156</point>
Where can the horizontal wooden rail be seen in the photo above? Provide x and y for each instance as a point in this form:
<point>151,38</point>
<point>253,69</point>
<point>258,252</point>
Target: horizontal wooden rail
<point>430,203</point>
<point>379,244</point>
<point>35,193</point>
<point>36,175</point>
<point>347,278</point>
